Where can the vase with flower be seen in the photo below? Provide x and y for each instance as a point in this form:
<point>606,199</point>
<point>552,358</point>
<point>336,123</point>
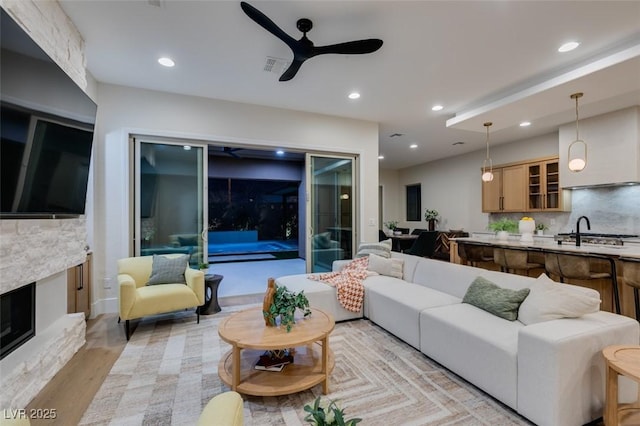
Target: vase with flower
<point>431,216</point>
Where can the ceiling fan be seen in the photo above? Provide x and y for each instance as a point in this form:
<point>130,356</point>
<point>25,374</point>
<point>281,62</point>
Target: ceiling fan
<point>304,49</point>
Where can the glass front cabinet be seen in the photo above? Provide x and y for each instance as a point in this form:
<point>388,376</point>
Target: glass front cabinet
<point>544,190</point>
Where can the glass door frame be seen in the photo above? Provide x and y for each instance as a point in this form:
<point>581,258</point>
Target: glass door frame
<point>355,201</point>
<point>137,140</point>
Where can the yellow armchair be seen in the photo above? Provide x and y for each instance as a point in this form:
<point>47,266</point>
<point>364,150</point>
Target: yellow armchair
<point>137,300</point>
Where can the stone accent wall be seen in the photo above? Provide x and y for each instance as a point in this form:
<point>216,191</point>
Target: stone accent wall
<point>31,250</point>
<point>62,340</point>
<point>51,28</point>
<point>38,248</point>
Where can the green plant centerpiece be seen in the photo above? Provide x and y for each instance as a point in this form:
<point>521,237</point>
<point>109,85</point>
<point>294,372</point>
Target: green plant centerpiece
<point>327,413</point>
<point>541,226</point>
<point>391,225</point>
<point>284,305</point>
<point>504,224</point>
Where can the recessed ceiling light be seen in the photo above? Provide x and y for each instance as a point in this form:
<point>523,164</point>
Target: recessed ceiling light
<point>436,108</point>
<point>166,62</point>
<point>354,95</point>
<point>413,146</point>
<point>525,124</point>
<point>380,157</point>
<point>280,152</point>
<point>567,47</point>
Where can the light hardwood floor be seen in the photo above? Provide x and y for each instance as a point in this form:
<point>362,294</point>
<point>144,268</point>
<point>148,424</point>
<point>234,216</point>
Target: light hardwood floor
<point>71,390</point>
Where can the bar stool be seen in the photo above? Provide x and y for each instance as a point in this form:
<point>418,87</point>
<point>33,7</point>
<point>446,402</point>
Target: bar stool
<point>514,260</point>
<point>578,267</point>
<point>631,275</point>
<point>472,254</point>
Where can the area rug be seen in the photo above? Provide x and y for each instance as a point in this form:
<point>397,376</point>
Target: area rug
<point>168,372</point>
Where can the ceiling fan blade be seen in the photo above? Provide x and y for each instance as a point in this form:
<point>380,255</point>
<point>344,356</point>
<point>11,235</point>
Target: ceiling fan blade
<point>266,23</point>
<point>292,70</point>
<point>357,47</point>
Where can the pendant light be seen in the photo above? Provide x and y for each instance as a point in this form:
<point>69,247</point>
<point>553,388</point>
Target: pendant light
<point>487,166</point>
<point>578,148</point>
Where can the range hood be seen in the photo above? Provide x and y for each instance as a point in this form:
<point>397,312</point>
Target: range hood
<point>613,156</point>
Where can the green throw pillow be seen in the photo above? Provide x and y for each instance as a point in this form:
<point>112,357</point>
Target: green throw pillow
<point>168,270</point>
<point>498,301</point>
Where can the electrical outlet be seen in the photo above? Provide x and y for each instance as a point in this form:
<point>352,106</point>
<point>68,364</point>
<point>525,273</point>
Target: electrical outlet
<point>372,222</point>
<point>106,283</point>
<point>552,222</point>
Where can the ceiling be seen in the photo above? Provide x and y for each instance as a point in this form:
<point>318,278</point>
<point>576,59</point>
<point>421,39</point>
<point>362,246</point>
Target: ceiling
<point>482,60</point>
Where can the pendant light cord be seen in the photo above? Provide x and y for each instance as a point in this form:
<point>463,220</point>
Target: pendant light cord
<point>577,130</point>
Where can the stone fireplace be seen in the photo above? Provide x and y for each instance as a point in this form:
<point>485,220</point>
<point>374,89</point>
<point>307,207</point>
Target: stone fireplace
<point>37,253</point>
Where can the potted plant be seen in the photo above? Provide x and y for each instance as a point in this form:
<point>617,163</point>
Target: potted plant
<point>283,307</point>
<point>540,228</point>
<point>431,216</point>
<point>327,413</point>
<point>391,225</point>
<point>503,227</point>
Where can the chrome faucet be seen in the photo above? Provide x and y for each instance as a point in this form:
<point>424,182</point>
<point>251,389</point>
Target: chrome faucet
<point>578,228</point>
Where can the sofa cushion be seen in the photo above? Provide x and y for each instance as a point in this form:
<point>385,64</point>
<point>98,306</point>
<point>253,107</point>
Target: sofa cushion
<point>188,240</point>
<point>389,267</point>
<point>499,301</point>
<point>480,347</point>
<point>382,248</point>
<point>321,241</point>
<point>320,295</point>
<point>550,300</point>
<point>168,270</point>
<point>395,305</point>
<point>444,276</point>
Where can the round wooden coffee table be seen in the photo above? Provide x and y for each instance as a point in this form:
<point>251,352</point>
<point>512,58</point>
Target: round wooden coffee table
<point>621,360</point>
<point>249,338</point>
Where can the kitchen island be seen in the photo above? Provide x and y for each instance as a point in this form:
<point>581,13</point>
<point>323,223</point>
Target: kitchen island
<point>603,258</point>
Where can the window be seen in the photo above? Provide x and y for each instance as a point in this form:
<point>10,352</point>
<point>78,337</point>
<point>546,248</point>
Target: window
<point>413,202</point>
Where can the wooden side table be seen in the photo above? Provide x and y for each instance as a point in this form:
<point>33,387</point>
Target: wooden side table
<point>621,360</point>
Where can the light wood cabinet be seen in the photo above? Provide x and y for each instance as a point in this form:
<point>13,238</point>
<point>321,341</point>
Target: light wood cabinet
<point>543,186</point>
<point>506,192</point>
<point>79,288</point>
<point>527,186</point>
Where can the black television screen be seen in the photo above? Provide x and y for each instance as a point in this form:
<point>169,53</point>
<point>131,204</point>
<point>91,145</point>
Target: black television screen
<point>46,126</point>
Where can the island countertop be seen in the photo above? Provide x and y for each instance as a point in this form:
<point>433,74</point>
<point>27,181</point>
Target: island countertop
<point>547,244</point>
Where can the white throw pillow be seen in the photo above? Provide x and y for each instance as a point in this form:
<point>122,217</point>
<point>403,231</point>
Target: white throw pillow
<point>389,267</point>
<point>549,300</point>
<point>382,248</point>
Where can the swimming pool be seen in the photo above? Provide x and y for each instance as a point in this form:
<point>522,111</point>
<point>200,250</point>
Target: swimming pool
<point>267,246</point>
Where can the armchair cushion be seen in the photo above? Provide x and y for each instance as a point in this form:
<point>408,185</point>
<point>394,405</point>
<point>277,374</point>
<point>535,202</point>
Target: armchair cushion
<point>166,270</point>
<point>224,409</point>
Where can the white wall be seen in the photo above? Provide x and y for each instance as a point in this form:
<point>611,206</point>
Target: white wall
<point>452,186</point>
<point>123,111</point>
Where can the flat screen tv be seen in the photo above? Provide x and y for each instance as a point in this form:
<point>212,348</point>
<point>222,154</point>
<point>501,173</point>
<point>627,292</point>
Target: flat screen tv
<point>46,125</point>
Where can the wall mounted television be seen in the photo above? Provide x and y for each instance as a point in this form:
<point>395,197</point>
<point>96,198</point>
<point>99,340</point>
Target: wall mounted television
<point>47,126</point>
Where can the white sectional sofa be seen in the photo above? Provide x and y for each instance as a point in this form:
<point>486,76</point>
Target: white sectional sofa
<point>551,372</point>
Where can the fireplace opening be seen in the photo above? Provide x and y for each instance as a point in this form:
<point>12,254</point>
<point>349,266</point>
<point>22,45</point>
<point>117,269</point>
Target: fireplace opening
<point>17,318</point>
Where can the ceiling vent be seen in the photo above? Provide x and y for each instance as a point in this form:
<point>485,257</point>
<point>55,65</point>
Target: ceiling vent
<point>275,65</point>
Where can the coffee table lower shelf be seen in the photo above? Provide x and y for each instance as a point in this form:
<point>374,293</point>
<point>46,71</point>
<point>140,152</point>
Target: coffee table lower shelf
<point>304,373</point>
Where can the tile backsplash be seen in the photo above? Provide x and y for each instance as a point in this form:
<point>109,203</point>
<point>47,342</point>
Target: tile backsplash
<point>611,210</point>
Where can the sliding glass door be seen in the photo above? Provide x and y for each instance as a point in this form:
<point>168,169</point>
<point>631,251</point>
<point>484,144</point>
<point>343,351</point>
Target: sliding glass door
<point>171,199</point>
<point>331,210</point>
